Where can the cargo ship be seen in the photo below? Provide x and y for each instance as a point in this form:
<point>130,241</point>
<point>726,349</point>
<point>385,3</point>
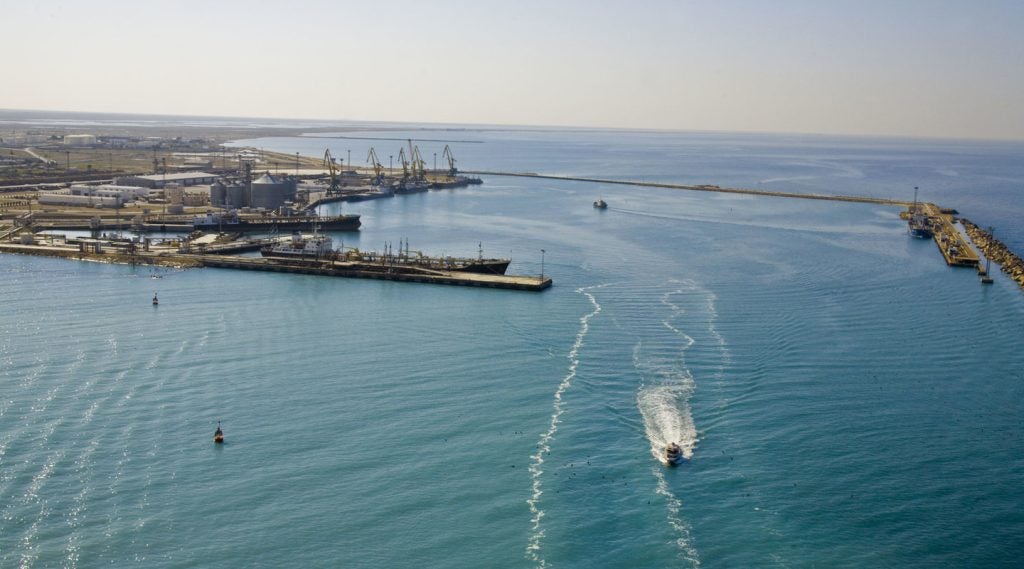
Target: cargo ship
<point>321,247</point>
<point>231,221</point>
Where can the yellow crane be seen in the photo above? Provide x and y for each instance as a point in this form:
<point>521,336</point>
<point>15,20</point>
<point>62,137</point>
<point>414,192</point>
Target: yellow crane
<point>452,171</point>
<point>405,164</point>
<point>378,169</point>
<point>332,169</point>
<point>419,166</point>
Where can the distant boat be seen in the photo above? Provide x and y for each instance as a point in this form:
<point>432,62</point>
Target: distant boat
<point>673,454</point>
<point>156,301</point>
<point>218,435</point>
<point>600,204</point>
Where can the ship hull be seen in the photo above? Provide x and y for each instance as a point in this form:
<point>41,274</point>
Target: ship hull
<point>340,223</point>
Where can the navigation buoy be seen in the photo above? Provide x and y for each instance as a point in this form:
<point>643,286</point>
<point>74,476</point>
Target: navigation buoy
<point>155,300</point>
<point>218,435</point>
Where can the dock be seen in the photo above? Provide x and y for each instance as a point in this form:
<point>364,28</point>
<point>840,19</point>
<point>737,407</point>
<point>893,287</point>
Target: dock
<point>375,271</point>
<point>954,248</point>
<point>96,251</point>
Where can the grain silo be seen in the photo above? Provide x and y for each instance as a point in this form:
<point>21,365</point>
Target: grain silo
<point>269,192</point>
<point>236,195</point>
<point>218,193</point>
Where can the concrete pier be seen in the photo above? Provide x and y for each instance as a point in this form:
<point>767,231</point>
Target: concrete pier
<point>97,252</point>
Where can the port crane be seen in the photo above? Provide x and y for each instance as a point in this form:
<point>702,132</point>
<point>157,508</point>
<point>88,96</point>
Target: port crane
<point>378,169</point>
<point>419,166</point>
<point>405,164</point>
<point>452,171</point>
<point>332,170</point>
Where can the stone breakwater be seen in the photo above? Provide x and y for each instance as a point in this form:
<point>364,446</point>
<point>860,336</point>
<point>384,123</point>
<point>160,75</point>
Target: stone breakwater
<point>994,250</point>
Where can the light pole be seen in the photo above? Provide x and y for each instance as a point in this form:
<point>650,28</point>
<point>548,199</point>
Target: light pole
<point>435,162</point>
<point>349,159</point>
<point>542,264</point>
<point>390,169</point>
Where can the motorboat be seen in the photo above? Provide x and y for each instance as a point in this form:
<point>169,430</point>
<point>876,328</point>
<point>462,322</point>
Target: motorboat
<point>218,435</point>
<point>673,454</point>
<point>600,204</point>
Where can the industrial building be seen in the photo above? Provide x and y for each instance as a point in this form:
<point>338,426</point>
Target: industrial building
<point>160,180</point>
<point>79,140</point>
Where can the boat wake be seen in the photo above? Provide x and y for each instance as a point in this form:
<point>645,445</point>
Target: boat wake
<point>544,442</point>
<point>667,386</point>
<point>666,416</point>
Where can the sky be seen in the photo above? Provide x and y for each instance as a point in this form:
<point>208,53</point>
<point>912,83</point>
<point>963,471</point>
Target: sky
<point>927,68</point>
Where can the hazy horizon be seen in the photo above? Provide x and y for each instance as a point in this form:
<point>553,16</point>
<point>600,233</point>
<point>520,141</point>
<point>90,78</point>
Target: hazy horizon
<point>931,69</point>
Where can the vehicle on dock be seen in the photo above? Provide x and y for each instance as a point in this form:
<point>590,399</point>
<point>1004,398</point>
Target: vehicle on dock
<point>600,204</point>
<point>673,454</point>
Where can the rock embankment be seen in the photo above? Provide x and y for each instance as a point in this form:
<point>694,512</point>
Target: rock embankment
<point>994,250</point>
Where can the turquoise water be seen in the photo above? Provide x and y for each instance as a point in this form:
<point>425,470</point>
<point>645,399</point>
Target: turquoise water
<point>845,399</point>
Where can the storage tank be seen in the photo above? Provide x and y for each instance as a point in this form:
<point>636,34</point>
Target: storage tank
<point>270,193</point>
<point>236,196</point>
<point>218,193</point>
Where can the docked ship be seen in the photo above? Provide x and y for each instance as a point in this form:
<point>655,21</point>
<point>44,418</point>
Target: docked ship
<point>919,225</point>
<point>231,221</point>
<point>321,247</point>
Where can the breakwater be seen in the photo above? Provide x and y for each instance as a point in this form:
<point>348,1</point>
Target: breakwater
<point>700,188</point>
<point>996,251</point>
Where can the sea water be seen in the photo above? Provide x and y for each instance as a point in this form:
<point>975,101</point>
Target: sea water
<point>842,397</point>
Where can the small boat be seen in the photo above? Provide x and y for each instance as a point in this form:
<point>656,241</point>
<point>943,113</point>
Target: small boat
<point>600,204</point>
<point>156,301</point>
<point>218,435</point>
<point>673,454</point>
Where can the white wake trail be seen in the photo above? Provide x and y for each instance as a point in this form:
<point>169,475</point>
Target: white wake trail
<point>663,400</point>
<point>544,443</point>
